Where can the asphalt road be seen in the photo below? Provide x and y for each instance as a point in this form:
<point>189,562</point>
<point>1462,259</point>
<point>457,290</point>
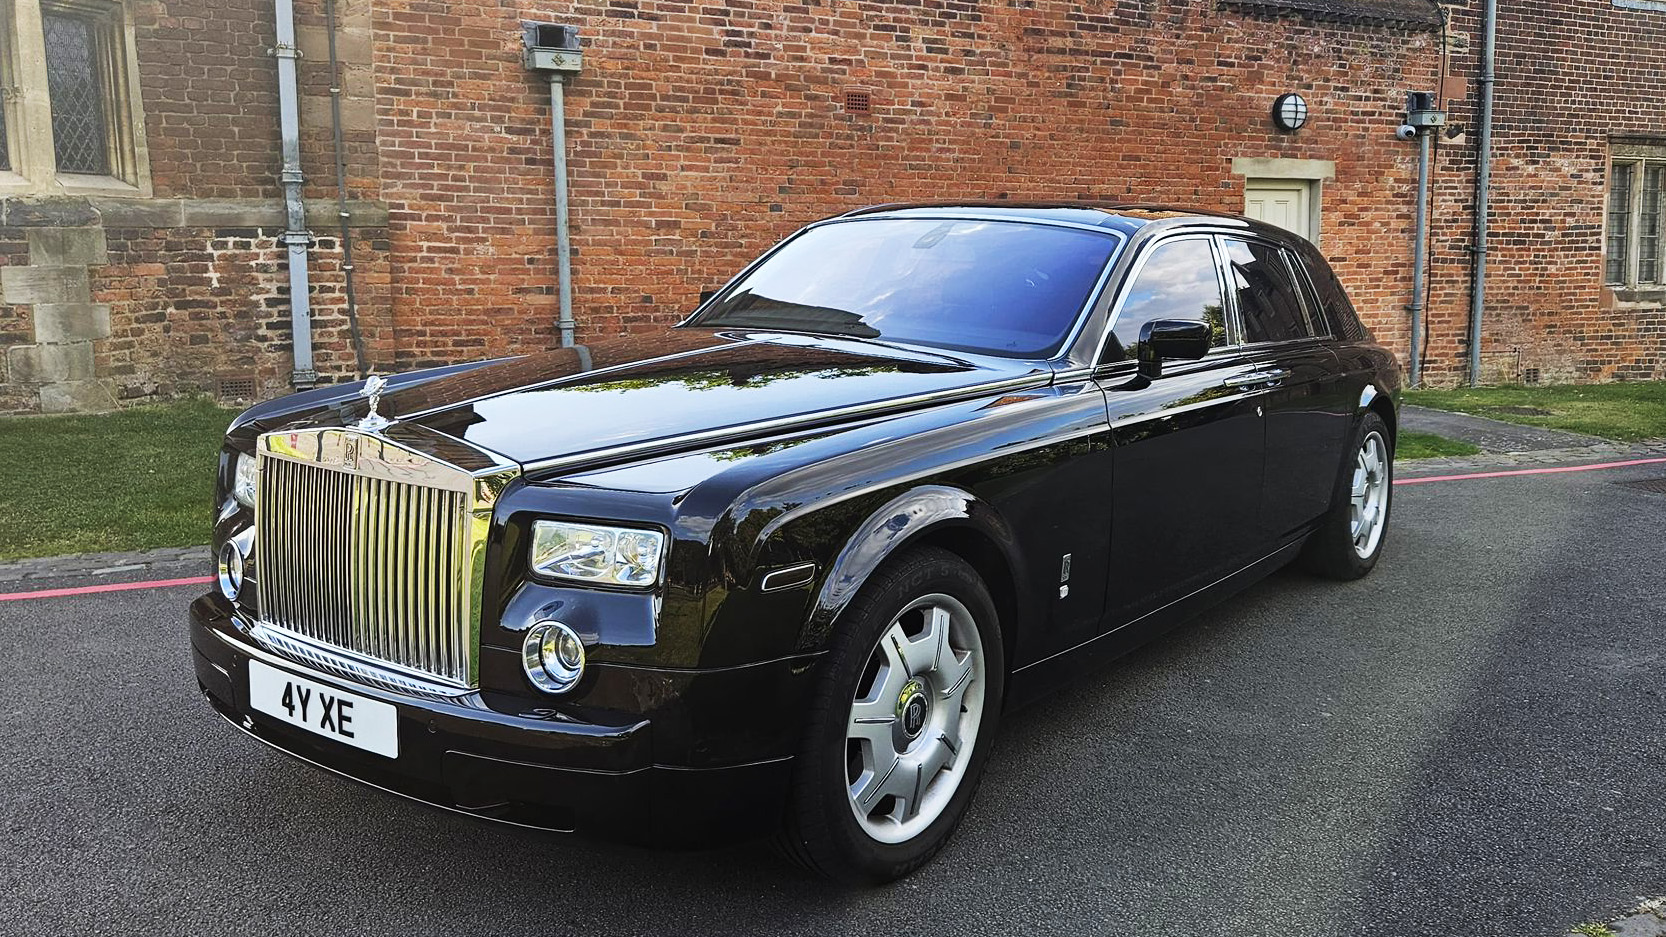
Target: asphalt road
<point>1468,742</point>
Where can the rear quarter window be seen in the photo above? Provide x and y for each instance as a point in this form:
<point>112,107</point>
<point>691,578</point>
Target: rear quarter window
<point>1334,305</point>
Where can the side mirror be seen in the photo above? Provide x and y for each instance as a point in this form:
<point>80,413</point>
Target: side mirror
<point>706,294</point>
<point>1178,339</point>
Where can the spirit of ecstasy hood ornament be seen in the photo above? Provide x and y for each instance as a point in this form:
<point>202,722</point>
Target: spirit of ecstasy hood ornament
<point>372,391</point>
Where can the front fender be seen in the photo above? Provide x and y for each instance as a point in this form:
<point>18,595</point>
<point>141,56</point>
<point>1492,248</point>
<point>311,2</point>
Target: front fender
<point>897,523</point>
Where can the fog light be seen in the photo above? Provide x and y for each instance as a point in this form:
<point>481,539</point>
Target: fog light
<point>553,657</point>
<point>229,570</point>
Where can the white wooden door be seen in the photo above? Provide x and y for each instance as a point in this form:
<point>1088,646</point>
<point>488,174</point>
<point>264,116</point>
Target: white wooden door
<point>1283,202</point>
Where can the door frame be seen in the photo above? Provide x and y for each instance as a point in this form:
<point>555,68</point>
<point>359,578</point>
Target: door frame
<point>1314,172</point>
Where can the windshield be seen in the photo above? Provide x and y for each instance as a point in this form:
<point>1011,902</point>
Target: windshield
<point>994,287</point>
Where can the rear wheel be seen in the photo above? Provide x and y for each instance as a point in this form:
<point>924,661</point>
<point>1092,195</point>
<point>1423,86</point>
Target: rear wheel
<point>902,723</point>
<point>1350,538</point>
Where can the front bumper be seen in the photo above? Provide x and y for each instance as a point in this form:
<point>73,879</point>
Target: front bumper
<point>688,771</point>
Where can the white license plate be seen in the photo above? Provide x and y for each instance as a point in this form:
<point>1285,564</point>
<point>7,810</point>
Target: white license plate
<point>324,710</point>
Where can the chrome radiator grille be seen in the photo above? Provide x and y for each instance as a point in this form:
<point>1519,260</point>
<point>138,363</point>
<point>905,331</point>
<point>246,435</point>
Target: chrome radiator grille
<point>349,558</point>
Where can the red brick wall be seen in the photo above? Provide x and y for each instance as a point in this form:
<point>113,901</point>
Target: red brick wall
<point>1568,77</point>
<point>210,97</point>
<point>190,305</point>
<point>701,134</point>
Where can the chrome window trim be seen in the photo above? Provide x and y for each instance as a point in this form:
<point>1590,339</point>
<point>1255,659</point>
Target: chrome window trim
<point>1262,346</point>
<point>1298,281</point>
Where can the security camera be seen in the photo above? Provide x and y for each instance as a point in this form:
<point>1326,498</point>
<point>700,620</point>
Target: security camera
<point>1405,132</point>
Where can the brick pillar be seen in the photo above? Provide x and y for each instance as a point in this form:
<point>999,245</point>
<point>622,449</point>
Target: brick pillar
<point>58,284</point>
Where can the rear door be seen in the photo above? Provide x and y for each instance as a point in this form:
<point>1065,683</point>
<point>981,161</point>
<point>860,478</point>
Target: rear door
<point>1305,395</point>
<point>1188,450</point>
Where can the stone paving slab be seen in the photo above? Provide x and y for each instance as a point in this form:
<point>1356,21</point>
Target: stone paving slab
<point>169,560</point>
<point>1541,458</point>
<point>1648,919</point>
<point>1492,435</point>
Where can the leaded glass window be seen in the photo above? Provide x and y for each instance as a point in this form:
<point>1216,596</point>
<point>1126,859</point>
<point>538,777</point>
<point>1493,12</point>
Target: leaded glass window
<point>1634,255</point>
<point>1648,224</point>
<point>1619,222</point>
<point>75,84</point>
<point>5,140</point>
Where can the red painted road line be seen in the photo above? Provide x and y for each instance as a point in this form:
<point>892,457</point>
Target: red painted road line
<point>1536,471</point>
<point>112,587</point>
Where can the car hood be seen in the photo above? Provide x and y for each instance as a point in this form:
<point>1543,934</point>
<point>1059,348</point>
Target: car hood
<point>680,389</point>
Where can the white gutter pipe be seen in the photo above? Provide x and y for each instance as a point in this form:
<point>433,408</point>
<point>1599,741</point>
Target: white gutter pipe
<point>295,235</point>
<point>1483,185</point>
<point>1420,255</point>
<point>563,235</point>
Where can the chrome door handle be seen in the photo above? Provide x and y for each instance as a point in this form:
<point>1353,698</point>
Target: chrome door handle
<point>1257,378</point>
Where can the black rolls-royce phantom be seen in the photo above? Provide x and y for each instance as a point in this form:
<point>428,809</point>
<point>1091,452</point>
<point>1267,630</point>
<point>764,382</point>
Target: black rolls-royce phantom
<point>782,567</point>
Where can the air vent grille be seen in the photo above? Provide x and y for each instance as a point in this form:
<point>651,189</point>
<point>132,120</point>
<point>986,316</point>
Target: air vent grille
<point>235,388</point>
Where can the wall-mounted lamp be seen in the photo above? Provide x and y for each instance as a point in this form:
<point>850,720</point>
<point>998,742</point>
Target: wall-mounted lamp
<point>1290,111</point>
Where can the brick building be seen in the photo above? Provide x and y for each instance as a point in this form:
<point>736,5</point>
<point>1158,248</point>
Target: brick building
<point>142,219</point>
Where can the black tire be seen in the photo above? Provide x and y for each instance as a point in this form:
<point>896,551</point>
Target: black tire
<point>1331,550</point>
<point>821,831</point>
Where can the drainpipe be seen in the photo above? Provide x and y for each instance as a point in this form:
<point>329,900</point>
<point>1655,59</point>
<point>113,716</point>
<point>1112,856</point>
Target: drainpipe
<point>1423,119</point>
<point>1420,257</point>
<point>1483,183</point>
<point>563,233</point>
<point>346,235</point>
<point>295,235</point>
<point>553,49</point>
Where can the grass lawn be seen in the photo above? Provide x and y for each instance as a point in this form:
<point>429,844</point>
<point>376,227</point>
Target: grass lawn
<point>1411,445</point>
<point>1628,412</point>
<point>131,480</point>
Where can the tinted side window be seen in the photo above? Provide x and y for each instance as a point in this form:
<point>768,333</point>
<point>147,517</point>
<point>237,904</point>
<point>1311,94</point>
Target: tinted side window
<point>1179,281</point>
<point>1336,312</point>
<point>1268,302</point>
<point>1310,300</point>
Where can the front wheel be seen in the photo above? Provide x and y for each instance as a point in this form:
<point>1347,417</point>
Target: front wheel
<point>902,723</point>
<point>1350,537</point>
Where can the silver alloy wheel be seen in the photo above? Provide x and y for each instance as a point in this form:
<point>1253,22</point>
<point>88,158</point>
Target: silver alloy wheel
<point>1370,493</point>
<point>914,719</point>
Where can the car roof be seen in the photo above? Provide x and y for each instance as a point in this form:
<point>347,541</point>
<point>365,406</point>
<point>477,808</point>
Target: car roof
<point>1126,218</point>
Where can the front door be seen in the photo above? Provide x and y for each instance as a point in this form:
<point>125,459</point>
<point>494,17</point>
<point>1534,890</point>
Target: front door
<point>1187,462</point>
<point>1287,203</point>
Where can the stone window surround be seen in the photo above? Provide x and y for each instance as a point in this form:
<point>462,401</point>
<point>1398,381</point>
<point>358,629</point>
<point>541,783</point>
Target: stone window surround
<point>29,107</point>
<point>1634,154</point>
<point>1315,172</point>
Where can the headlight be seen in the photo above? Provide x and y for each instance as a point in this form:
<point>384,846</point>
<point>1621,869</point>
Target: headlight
<point>614,556</point>
<point>243,480</point>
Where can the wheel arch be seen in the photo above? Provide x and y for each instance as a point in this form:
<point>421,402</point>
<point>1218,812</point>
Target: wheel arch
<point>941,516</point>
<point>1382,404</point>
